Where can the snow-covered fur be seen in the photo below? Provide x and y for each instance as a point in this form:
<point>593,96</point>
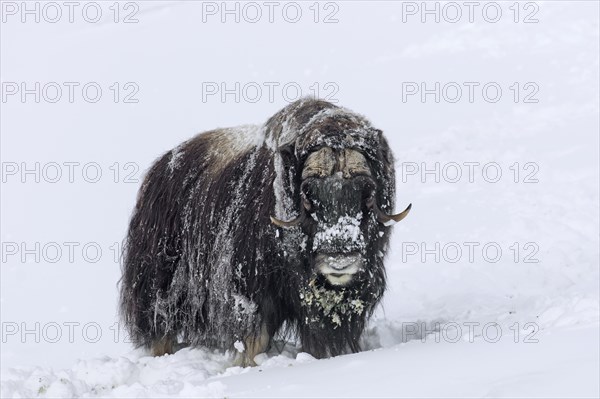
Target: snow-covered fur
<point>204,264</point>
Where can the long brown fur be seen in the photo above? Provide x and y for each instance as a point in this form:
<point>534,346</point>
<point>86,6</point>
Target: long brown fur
<point>204,265</point>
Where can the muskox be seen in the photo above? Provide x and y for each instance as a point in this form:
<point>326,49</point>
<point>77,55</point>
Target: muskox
<point>240,231</point>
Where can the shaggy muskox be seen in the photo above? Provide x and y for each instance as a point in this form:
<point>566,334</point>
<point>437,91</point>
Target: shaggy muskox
<point>240,231</point>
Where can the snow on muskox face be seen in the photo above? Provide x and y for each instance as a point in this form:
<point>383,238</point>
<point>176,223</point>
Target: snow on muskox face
<point>336,186</point>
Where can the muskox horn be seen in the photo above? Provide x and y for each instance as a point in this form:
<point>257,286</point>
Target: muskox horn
<point>295,222</point>
<point>387,220</point>
<point>291,223</point>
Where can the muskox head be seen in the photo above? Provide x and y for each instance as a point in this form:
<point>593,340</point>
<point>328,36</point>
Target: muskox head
<point>340,174</point>
<point>338,204</point>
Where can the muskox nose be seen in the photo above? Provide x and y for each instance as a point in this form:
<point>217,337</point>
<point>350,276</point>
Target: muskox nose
<point>339,269</point>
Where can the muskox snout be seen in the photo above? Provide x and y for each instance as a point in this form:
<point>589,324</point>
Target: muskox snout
<point>339,269</point>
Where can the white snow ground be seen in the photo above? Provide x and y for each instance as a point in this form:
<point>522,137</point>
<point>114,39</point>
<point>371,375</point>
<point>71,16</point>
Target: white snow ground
<point>77,350</point>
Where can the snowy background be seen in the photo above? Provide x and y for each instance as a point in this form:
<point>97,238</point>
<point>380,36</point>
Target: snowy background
<point>516,316</point>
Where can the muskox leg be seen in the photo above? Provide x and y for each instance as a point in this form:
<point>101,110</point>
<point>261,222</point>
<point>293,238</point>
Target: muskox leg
<point>163,346</point>
<point>253,345</point>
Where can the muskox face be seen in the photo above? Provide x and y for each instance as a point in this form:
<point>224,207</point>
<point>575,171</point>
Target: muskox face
<point>336,186</point>
<point>338,212</point>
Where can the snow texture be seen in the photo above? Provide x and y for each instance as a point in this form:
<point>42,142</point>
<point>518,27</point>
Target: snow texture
<point>346,228</point>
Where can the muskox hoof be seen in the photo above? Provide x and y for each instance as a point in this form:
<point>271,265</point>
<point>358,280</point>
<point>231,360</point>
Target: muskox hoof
<point>163,346</point>
<point>244,360</point>
<point>253,345</point>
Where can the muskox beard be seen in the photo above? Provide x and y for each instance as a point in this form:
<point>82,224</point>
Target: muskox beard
<point>332,318</point>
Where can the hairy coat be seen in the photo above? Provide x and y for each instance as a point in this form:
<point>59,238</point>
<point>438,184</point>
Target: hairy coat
<point>209,260</point>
